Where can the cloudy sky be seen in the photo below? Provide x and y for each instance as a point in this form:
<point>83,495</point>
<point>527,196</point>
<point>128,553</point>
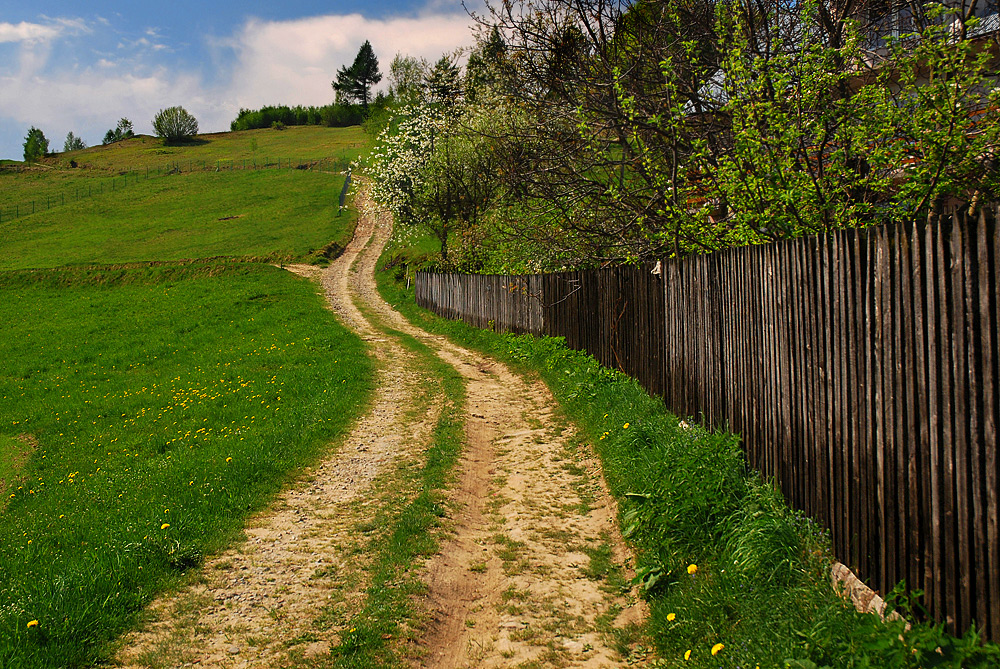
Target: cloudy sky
<point>80,66</point>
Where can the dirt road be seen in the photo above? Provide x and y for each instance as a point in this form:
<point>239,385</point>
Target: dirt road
<point>531,570</point>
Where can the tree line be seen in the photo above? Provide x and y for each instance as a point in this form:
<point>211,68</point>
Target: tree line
<point>619,130</point>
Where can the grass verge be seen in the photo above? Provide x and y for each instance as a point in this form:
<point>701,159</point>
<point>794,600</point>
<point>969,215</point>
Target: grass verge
<point>164,405</point>
<point>734,578</point>
<point>374,636</point>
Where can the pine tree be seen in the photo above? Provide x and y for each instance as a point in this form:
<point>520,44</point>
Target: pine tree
<point>444,83</point>
<point>355,82</point>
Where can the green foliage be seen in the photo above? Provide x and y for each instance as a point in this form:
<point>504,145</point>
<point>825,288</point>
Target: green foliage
<point>487,65</point>
<point>444,84</point>
<point>168,403</point>
<point>407,77</point>
<point>355,82</point>
<point>333,116</point>
<point>122,131</point>
<point>35,145</point>
<point>822,141</point>
<point>175,125</point>
<point>73,143</point>
<point>646,129</point>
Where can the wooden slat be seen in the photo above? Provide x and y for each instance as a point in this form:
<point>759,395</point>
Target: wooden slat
<point>861,370</point>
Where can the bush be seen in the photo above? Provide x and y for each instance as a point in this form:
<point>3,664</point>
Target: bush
<point>175,124</point>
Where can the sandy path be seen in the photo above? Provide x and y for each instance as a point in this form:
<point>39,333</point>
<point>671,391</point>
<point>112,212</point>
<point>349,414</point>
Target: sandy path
<point>254,605</point>
<point>516,582</point>
<point>531,569</point>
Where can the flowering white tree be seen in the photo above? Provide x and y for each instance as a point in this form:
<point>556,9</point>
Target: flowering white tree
<point>434,167</point>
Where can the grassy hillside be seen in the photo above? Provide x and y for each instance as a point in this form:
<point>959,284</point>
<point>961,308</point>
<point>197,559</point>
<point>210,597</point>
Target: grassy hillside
<point>147,408</point>
<point>54,183</point>
<point>306,142</point>
<point>279,214</point>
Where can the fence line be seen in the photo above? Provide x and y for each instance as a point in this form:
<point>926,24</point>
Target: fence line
<point>860,368</point>
<point>130,176</point>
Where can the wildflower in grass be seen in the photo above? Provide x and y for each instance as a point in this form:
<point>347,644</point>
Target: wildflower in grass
<point>671,616</point>
<point>692,569</point>
<point>164,526</point>
<point>687,655</point>
<point>626,426</point>
<point>716,648</point>
<point>32,623</point>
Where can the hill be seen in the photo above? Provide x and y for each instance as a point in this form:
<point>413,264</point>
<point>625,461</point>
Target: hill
<point>261,193</point>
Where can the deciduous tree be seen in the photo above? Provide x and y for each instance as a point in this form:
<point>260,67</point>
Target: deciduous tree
<point>122,131</point>
<point>175,124</point>
<point>407,75</point>
<point>35,145</point>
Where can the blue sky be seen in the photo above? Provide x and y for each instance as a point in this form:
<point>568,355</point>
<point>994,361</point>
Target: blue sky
<point>80,66</point>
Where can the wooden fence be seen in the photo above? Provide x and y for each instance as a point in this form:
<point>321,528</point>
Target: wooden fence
<point>860,368</point>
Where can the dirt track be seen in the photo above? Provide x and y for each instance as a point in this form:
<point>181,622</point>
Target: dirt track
<point>530,568</point>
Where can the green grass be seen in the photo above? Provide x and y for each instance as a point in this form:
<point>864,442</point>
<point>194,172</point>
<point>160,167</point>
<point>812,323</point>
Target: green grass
<point>307,142</point>
<point>14,453</point>
<point>761,588</point>
<point>375,634</point>
<point>109,172</point>
<point>285,214</point>
<point>168,403</point>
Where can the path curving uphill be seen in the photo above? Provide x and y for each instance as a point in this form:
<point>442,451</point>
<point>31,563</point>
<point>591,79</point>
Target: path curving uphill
<point>531,569</point>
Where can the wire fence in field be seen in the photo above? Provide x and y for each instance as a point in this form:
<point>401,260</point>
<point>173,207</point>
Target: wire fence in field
<point>119,180</point>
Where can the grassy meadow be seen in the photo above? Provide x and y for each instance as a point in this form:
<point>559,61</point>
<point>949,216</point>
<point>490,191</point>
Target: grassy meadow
<point>116,167</point>
<point>147,408</point>
<point>272,214</point>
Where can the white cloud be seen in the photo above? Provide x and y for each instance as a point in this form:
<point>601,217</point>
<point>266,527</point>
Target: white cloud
<point>27,32</point>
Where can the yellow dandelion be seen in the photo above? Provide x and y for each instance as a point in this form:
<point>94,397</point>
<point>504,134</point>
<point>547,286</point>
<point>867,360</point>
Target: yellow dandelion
<point>32,623</point>
<point>671,616</point>
<point>716,648</point>
<point>687,655</point>
<point>692,568</point>
<point>164,526</point>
